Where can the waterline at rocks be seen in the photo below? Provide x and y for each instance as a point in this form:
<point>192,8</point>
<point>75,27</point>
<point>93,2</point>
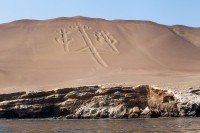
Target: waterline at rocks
<point>93,102</point>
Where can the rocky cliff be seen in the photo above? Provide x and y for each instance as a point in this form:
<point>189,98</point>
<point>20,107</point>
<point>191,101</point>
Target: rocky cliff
<point>96,102</point>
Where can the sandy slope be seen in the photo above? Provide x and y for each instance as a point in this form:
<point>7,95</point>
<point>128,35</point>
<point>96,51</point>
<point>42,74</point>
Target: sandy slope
<point>76,51</point>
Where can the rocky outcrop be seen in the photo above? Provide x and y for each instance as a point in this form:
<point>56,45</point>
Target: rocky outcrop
<point>96,102</point>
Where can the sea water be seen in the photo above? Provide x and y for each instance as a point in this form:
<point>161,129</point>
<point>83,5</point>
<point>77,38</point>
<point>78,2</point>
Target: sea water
<point>157,125</point>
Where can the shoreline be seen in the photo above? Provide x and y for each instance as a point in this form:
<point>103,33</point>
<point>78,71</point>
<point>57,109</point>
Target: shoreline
<point>100,102</point>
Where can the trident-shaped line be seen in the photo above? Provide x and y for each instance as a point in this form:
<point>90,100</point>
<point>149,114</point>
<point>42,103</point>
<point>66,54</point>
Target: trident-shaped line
<point>82,29</point>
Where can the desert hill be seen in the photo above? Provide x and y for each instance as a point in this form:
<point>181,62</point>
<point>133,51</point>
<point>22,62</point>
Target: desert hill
<point>62,52</point>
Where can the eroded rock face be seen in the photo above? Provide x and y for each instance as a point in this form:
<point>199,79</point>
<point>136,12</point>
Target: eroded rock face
<point>95,102</point>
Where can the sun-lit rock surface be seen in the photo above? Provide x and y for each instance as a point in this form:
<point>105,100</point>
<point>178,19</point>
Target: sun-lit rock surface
<point>93,102</point>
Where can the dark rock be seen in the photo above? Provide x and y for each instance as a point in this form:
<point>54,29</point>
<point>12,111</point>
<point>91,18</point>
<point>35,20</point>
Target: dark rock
<point>11,96</point>
<point>95,102</point>
<point>197,91</point>
<point>155,113</point>
<point>71,116</point>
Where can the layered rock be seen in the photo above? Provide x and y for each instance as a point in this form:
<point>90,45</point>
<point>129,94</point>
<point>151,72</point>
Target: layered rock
<point>96,102</point>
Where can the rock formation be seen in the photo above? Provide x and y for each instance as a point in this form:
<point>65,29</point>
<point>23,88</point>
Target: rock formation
<point>93,102</point>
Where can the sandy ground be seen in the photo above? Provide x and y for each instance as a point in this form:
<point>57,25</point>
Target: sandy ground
<point>65,52</point>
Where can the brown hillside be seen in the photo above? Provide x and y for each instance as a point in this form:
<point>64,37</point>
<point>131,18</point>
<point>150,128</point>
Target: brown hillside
<point>76,51</point>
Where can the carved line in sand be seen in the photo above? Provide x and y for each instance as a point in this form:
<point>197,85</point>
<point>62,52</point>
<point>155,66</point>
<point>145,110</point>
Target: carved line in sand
<point>64,39</point>
<point>109,39</point>
<point>82,30</point>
